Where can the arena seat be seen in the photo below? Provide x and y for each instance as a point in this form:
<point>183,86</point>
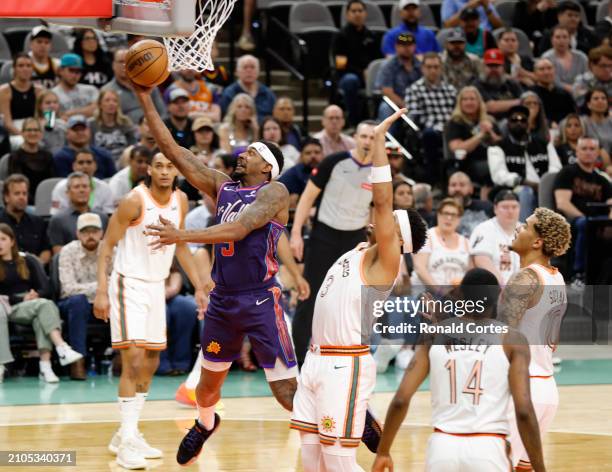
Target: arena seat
<point>42,198</point>
<point>546,197</point>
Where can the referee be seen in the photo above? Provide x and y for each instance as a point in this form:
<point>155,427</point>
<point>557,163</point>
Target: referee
<point>341,181</point>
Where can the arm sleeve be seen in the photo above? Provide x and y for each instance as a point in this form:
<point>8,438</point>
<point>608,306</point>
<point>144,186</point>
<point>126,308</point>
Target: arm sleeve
<point>338,45</point>
<point>388,46</point>
<point>564,180</point>
<point>384,78</point>
<point>498,169</point>
<point>54,231</point>
<point>448,9</point>
<point>325,168</point>
<point>554,163</point>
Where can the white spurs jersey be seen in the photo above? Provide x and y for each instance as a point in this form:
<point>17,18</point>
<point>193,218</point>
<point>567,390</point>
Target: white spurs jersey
<point>469,387</point>
<point>134,257</point>
<point>446,266</point>
<point>541,323</point>
<point>342,301</point>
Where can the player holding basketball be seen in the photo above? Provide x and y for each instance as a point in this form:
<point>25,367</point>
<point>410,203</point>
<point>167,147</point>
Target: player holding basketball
<point>339,373</point>
<point>250,216</point>
<point>471,380</point>
<point>134,297</point>
<point>535,301</point>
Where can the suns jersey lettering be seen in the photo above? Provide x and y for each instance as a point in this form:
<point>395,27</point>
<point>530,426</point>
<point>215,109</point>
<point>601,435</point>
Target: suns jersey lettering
<point>134,257</point>
<point>252,262</point>
<point>469,388</point>
<point>342,300</point>
<point>541,323</point>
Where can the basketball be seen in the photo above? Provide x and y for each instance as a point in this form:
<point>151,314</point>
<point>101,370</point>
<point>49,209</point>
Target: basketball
<point>146,63</point>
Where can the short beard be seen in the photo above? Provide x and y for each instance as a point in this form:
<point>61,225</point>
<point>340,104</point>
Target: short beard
<point>237,175</point>
<point>495,81</point>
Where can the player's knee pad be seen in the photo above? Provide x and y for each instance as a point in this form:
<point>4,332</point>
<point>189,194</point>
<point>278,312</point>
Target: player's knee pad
<point>215,366</point>
<point>281,372</point>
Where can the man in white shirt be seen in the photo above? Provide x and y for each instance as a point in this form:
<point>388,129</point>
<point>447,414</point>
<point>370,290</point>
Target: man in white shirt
<point>490,241</point>
<point>131,175</point>
<point>101,197</point>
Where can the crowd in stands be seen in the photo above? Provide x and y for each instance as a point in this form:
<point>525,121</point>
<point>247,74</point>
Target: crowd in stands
<point>501,107</point>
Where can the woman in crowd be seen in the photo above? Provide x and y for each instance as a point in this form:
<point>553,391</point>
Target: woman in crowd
<point>568,63</point>
<point>22,291</point>
<point>54,128</point>
<point>239,128</point>
<point>97,66</point>
<point>110,128</point>
<point>31,159</point>
<point>468,133</point>
<point>206,139</point>
<point>271,131</point>
<point>445,258</point>
<point>598,122</point>
<point>572,128</point>
<point>538,126</point>
<point>18,97</point>
<point>403,198</point>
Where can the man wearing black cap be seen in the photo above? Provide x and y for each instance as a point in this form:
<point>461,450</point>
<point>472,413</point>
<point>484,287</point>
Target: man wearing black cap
<point>460,68</point>
<point>568,15</point>
<point>410,14</point>
<point>488,18</point>
<point>397,73</point>
<point>45,67</point>
<point>491,240</point>
<point>521,160</point>
<point>478,39</point>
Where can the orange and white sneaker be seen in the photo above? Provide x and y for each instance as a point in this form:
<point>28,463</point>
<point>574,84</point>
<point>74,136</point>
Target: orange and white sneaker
<point>185,396</point>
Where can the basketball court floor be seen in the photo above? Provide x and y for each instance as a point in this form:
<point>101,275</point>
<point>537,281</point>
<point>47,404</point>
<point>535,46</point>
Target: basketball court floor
<point>254,434</point>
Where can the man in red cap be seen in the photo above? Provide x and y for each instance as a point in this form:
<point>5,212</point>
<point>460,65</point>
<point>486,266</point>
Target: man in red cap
<point>499,92</point>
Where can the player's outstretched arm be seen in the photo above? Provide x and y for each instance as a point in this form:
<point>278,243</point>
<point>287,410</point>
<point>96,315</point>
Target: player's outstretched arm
<point>415,374</point>
<point>518,296</point>
<point>271,202</point>
<point>128,210</point>
<point>527,422</point>
<point>388,245</point>
<point>195,171</point>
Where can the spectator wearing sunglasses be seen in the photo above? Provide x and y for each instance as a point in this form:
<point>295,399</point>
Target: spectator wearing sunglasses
<point>74,98</point>
<point>520,160</point>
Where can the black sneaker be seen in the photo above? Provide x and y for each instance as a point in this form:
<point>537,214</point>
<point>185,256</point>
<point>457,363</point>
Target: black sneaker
<point>192,443</point>
<point>372,432</point>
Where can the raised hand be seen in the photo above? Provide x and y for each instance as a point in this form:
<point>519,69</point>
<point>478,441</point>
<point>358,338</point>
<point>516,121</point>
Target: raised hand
<point>383,127</point>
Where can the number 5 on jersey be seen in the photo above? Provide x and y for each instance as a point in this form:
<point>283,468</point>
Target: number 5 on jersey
<point>472,384</point>
<point>229,250</point>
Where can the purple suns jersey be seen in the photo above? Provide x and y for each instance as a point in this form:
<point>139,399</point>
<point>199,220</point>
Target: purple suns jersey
<point>251,263</point>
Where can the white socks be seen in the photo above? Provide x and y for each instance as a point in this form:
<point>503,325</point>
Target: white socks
<point>206,416</point>
<point>141,397</point>
<point>194,376</point>
<point>45,365</point>
<point>129,411</point>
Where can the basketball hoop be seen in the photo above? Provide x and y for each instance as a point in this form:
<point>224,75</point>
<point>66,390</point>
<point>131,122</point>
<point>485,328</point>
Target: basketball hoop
<point>193,52</point>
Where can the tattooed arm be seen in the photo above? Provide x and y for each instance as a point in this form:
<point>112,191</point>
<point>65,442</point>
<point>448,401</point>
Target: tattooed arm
<point>195,171</point>
<point>519,295</point>
<point>129,210</point>
<point>415,374</point>
<point>271,203</point>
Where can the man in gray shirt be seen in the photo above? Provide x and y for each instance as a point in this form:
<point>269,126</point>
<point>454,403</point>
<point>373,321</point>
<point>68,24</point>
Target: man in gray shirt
<point>121,85</point>
<point>341,185</point>
<point>74,98</point>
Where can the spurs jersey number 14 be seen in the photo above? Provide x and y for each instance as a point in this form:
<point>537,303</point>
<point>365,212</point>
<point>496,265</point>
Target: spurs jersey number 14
<point>134,257</point>
<point>469,387</point>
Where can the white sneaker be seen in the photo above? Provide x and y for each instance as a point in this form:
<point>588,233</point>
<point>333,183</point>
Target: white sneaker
<point>383,355</point>
<point>47,374</point>
<point>403,358</point>
<point>129,455</point>
<point>67,355</point>
<point>147,451</point>
<point>2,370</point>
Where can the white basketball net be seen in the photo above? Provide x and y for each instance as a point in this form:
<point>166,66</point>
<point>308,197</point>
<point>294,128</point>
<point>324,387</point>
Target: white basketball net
<point>193,52</point>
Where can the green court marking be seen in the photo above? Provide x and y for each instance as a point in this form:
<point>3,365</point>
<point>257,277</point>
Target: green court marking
<point>31,391</point>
